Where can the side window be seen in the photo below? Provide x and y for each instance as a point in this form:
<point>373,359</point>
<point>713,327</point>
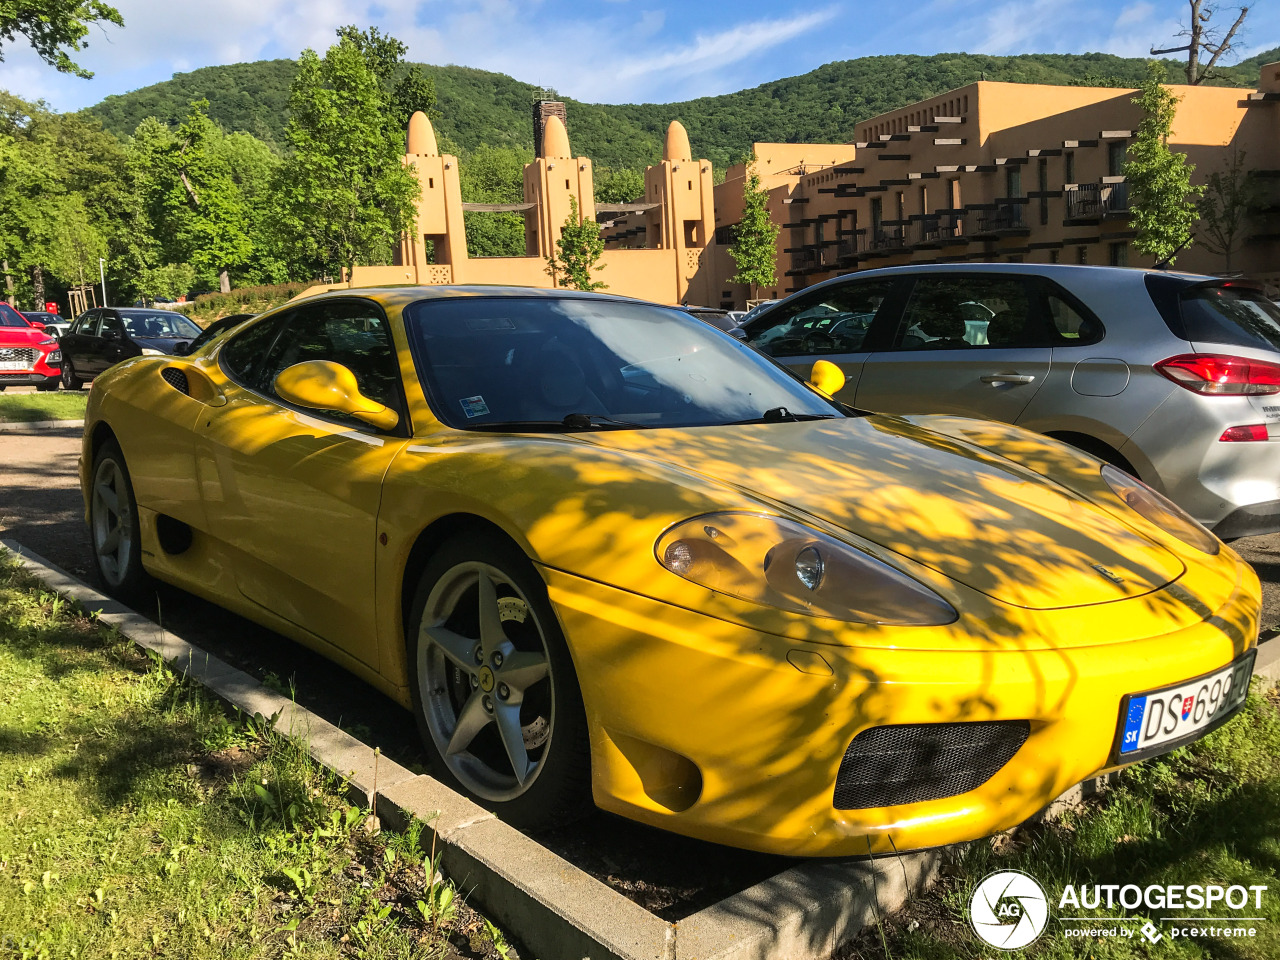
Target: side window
<point>833,320</point>
<point>1072,326</point>
<point>350,332</point>
<point>963,313</point>
<point>244,354</point>
<point>111,322</point>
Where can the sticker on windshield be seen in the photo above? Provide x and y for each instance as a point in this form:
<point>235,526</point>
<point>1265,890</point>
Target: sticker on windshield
<point>474,407</point>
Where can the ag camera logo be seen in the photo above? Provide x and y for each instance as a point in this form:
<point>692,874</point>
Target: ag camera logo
<point>1009,910</point>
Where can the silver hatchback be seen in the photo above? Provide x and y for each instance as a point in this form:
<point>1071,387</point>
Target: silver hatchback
<point>1173,377</point>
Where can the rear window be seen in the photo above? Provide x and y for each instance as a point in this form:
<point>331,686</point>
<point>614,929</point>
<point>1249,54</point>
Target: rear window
<point>1227,314</point>
<point>10,317</point>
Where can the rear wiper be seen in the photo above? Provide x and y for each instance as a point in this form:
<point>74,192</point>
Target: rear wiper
<point>783,415</point>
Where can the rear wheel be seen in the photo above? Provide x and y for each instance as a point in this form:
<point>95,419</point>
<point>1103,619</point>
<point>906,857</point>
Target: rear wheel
<point>495,694</point>
<point>69,378</point>
<point>113,523</point>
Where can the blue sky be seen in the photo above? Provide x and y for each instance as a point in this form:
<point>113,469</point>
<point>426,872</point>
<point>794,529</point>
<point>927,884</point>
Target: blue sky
<point>614,51</point>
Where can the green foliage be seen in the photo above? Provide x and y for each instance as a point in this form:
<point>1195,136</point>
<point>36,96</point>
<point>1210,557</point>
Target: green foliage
<point>823,105</point>
<point>1161,197</point>
<point>579,249</point>
<point>754,248</point>
<point>211,306</point>
<point>1224,208</point>
<point>414,91</point>
<point>167,281</point>
<point>54,26</point>
<point>345,194</point>
<point>494,175</point>
<point>618,185</point>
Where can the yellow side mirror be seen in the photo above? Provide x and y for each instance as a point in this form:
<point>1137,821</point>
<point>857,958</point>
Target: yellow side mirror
<point>325,385</point>
<point>827,377</point>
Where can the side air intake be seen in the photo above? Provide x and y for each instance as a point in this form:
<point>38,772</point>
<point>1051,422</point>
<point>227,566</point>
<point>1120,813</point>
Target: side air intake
<point>176,379</point>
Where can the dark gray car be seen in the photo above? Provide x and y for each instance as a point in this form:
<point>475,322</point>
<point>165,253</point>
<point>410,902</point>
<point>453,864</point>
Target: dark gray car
<point>1174,377</point>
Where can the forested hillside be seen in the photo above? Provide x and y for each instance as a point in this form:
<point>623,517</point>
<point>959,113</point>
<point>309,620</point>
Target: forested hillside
<point>477,107</point>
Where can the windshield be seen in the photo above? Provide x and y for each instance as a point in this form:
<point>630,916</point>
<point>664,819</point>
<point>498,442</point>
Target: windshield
<point>10,317</point>
<point>535,361</point>
<point>160,323</point>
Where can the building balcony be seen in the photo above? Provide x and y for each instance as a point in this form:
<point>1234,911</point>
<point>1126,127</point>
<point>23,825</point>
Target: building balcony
<point>887,238</point>
<point>939,230</point>
<point>1004,219</point>
<point>1092,202</point>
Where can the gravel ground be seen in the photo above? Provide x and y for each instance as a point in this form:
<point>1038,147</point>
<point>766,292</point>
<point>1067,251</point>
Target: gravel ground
<point>40,507</point>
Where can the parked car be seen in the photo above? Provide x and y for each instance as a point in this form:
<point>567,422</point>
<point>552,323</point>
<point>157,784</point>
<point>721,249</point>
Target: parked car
<point>601,550</point>
<point>29,357</point>
<point>102,337</point>
<point>214,329</point>
<point>52,324</point>
<point>1172,377</point>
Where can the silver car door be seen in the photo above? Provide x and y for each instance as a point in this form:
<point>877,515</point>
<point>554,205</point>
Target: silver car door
<point>974,345</point>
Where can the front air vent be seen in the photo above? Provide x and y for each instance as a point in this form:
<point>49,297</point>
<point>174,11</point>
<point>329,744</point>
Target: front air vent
<point>176,379</point>
<point>910,763</point>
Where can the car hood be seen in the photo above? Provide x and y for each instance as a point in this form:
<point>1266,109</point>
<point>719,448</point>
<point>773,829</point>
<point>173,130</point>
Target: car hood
<point>21,336</point>
<point>967,513</point>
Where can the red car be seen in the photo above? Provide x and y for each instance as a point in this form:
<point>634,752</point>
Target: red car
<point>28,356</point>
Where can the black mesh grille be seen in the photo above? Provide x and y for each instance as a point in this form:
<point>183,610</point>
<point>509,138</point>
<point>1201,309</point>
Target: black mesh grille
<point>22,354</point>
<point>908,763</point>
<point>176,379</point>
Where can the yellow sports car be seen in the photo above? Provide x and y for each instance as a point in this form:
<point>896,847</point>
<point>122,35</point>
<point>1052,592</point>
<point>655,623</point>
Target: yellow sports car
<point>603,551</point>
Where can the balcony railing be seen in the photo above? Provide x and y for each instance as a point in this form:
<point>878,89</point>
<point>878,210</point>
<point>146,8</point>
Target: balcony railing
<point>887,238</point>
<point>1004,217</point>
<point>939,228</point>
<point>1115,199</point>
<point>1084,202</point>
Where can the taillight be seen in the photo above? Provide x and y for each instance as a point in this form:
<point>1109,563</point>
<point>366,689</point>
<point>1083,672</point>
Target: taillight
<point>1216,374</point>
<point>1255,431</point>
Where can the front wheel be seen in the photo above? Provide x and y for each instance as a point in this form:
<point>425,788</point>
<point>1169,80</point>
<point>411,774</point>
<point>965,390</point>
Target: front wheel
<point>113,524</point>
<point>69,378</point>
<point>495,693</point>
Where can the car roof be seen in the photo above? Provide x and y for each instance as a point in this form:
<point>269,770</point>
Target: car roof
<point>131,311</point>
<point>1060,271</point>
<point>405,293</point>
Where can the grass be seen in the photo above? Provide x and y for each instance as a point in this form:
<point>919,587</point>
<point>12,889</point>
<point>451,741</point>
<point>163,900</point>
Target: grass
<point>139,818</point>
<point>1207,814</point>
<point>53,405</point>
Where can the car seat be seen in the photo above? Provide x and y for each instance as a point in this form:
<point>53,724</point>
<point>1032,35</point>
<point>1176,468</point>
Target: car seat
<point>946,330</point>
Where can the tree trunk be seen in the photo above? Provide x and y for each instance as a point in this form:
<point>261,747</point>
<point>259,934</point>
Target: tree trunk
<point>37,281</point>
<point>8,282</point>
<point>1193,49</point>
<point>224,281</point>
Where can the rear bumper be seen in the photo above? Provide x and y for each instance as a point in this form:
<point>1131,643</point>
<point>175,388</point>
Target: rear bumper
<point>1254,520</point>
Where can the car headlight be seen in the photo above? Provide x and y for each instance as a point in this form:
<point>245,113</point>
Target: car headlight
<point>53,356</point>
<point>793,567</point>
<point>149,352</point>
<point>1160,510</point>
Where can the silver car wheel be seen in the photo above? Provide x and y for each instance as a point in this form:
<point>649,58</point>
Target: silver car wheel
<point>485,677</point>
<point>112,521</point>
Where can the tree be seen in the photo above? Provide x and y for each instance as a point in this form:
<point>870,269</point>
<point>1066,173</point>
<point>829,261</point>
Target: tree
<point>619,185</point>
<point>344,194</point>
<point>1202,36</point>
<point>168,281</point>
<point>494,175</point>
<point>1224,208</point>
<point>414,91</point>
<point>53,26</point>
<point>76,245</point>
<point>1161,197</point>
<point>755,238</point>
<point>579,250</point>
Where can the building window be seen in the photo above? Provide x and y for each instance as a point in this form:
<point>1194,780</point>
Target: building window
<point>1119,254</point>
<point>817,232</point>
<point>1115,158</point>
<point>1082,254</point>
<point>1043,187</point>
<point>955,194</point>
<point>1013,181</point>
<point>902,207</point>
<point>1055,256</point>
<point>924,200</point>
<point>1069,168</point>
<point>877,216</point>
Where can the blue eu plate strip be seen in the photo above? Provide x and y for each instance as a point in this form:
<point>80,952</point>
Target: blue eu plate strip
<point>1133,724</point>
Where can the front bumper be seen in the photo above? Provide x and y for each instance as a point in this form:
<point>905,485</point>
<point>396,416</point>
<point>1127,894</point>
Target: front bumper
<point>715,731</point>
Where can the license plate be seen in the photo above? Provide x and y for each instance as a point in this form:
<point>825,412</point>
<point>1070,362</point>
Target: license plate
<point>14,365</point>
<point>1161,720</point>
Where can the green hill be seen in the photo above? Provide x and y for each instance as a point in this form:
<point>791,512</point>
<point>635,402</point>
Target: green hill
<point>477,106</point>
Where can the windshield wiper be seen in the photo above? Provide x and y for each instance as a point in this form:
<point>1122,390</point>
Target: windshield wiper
<point>783,415</point>
<point>581,421</point>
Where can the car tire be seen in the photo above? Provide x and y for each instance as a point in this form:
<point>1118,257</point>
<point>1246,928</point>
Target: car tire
<point>483,690</point>
<point>113,524</point>
<point>50,383</point>
<point>69,378</point>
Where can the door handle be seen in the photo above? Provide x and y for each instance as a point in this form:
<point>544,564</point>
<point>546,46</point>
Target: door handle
<point>995,378</point>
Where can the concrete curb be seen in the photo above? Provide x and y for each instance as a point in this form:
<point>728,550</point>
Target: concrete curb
<point>555,909</point>
<point>38,426</point>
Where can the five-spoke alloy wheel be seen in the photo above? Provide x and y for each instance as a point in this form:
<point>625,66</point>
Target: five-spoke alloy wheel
<point>495,693</point>
<point>113,522</point>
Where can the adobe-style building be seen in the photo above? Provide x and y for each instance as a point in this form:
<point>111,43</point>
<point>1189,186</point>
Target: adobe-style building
<point>671,266</point>
<point>1000,172</point>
